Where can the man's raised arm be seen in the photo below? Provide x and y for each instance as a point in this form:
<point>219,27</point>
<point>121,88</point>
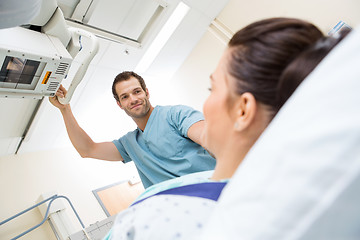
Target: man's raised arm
<point>85,146</point>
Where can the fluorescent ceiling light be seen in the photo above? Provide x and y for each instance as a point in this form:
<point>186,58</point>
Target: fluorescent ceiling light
<point>172,23</point>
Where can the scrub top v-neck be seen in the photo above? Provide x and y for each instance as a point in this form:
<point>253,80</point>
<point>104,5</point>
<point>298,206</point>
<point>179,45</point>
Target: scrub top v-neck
<point>163,150</point>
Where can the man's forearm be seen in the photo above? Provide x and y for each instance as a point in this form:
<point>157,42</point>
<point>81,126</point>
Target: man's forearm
<point>78,137</point>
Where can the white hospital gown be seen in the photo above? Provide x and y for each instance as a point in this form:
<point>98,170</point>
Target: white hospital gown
<point>163,217</point>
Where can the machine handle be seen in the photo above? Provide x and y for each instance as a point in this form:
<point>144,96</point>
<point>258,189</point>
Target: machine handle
<point>89,54</point>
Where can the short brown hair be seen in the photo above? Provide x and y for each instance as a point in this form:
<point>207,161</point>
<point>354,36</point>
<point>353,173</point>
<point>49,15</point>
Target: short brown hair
<point>124,76</point>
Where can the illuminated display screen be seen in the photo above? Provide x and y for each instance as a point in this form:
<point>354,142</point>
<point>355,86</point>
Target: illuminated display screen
<point>18,70</point>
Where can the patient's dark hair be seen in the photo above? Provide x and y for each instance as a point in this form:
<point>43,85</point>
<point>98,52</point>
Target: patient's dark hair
<point>262,50</point>
<point>124,76</point>
<point>304,64</point>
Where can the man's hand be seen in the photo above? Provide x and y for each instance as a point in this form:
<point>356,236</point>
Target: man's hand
<point>61,93</point>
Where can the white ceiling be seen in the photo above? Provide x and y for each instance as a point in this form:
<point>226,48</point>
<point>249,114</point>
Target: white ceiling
<point>30,125</point>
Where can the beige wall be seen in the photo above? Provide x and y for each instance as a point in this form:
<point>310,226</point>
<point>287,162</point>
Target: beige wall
<point>323,13</point>
<point>24,177</point>
<point>192,79</point>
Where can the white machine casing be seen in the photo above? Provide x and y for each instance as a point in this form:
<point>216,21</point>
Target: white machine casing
<point>24,44</point>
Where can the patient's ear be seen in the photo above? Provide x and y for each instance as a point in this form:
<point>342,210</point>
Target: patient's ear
<point>245,110</point>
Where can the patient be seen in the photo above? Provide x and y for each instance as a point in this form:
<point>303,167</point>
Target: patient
<point>301,178</point>
<point>243,101</point>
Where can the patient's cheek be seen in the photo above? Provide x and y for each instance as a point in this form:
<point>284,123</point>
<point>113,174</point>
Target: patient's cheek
<point>203,137</point>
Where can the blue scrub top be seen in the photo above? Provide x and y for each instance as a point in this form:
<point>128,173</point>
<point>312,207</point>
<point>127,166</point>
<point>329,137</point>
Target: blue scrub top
<point>163,151</point>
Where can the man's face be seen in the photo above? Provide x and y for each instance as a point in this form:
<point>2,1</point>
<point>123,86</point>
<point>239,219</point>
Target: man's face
<point>133,99</point>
